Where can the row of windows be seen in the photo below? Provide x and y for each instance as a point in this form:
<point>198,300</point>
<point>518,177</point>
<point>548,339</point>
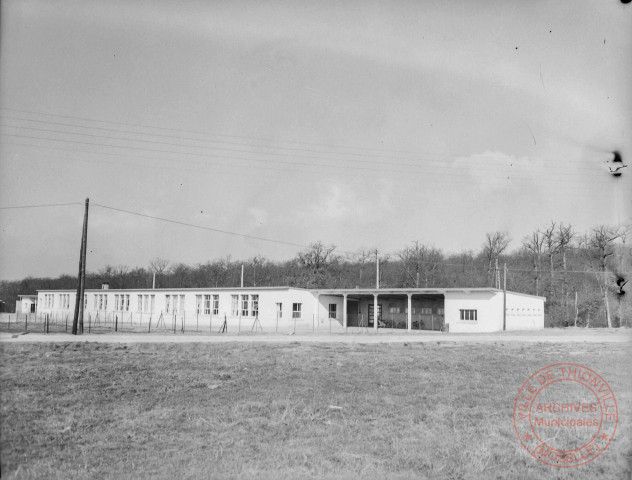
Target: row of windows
<point>415,310</point>
<point>121,302</point>
<point>244,305</point>
<point>469,315</point>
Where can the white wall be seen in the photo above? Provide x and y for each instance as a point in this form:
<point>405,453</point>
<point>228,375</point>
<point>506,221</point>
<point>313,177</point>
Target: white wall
<point>524,312</point>
<point>267,312</point>
<point>488,306</point>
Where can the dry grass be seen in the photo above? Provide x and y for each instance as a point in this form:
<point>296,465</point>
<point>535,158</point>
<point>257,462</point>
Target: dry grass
<point>437,411</point>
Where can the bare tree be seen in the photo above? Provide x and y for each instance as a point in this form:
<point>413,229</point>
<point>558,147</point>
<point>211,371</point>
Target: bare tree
<point>362,258</point>
<point>564,238</point>
<point>601,240</point>
<point>121,272</point>
<point>419,260</point>
<point>158,266</point>
<point>533,245</point>
<point>495,244</point>
<point>551,248</point>
<point>314,262</point>
<point>258,262</point>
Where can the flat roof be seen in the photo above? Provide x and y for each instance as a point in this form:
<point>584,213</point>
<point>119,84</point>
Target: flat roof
<point>317,291</point>
<point>413,291</point>
<point>187,289</point>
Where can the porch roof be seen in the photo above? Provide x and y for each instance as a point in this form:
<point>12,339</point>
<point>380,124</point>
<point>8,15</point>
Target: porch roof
<point>401,291</point>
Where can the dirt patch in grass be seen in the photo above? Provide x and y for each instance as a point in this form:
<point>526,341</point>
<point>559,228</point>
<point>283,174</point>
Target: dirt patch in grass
<point>291,410</point>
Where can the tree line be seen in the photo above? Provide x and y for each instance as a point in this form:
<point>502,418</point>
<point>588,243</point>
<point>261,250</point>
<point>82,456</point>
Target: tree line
<point>583,276</point>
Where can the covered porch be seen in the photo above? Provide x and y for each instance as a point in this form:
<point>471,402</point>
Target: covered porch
<point>394,309</point>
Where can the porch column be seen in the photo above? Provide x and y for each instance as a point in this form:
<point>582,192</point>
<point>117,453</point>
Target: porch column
<point>375,312</point>
<point>344,311</point>
<point>317,310</point>
<point>410,312</point>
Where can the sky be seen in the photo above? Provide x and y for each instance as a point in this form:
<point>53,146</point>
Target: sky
<point>257,128</point>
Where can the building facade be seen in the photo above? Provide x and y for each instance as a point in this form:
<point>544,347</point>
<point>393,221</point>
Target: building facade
<point>466,310</point>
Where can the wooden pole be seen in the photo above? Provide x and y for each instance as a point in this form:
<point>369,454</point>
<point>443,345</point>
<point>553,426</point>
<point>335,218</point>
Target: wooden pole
<point>504,296</point>
<point>576,309</point>
<point>78,317</point>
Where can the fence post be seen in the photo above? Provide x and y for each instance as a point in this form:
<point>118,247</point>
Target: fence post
<point>26,322</point>
<point>9,326</point>
<point>47,322</point>
<point>174,323</point>
<point>149,329</point>
<point>116,323</point>
<point>276,329</point>
<point>312,323</point>
<point>329,324</point>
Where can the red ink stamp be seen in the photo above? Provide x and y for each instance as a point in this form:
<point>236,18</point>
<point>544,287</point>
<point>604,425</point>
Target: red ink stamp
<point>565,415</point>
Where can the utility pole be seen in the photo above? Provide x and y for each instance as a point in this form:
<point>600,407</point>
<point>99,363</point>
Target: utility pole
<point>242,276</point>
<point>504,297</point>
<point>377,270</point>
<point>77,320</point>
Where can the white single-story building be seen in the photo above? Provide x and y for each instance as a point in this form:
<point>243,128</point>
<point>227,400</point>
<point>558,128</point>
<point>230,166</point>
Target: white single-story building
<point>336,310</point>
<point>26,304</point>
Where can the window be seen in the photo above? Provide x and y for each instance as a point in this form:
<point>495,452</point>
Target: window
<point>296,310</point>
<point>198,304</point>
<point>153,302</point>
<point>49,300</point>
<point>207,304</point>
<point>143,303</point>
<point>255,306</point>
<point>279,310</point>
<point>178,303</point>
<point>468,315</point>
<point>245,301</point>
<point>167,303</point>
<point>64,301</point>
<point>234,305</point>
<point>395,310</point>
<point>439,311</point>
<point>425,311</point>
<point>85,302</point>
<point>215,304</point>
<point>333,310</point>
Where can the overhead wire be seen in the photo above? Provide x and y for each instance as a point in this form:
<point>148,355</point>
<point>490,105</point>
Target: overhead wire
<point>381,155</point>
<point>485,175</point>
<point>281,242</point>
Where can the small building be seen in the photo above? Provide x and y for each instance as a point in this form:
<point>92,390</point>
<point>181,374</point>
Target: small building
<point>465,310</point>
<point>26,304</point>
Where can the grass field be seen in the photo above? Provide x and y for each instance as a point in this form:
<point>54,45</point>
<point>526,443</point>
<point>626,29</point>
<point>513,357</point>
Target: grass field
<point>440,410</point>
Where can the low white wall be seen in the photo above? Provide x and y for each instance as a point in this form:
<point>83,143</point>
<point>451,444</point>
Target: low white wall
<point>524,312</point>
<point>488,306</point>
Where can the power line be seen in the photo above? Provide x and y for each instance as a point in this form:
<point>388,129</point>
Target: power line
<point>245,137</point>
<point>512,176</point>
<point>39,206</point>
<point>382,155</point>
<point>177,222</point>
